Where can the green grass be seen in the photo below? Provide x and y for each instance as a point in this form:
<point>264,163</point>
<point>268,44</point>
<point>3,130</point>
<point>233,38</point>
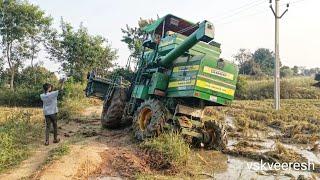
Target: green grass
<point>171,146</point>
<point>74,101</point>
<point>58,152</point>
<point>17,133</point>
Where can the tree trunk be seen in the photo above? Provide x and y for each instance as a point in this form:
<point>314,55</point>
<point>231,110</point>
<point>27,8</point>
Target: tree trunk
<point>12,79</point>
<point>11,65</point>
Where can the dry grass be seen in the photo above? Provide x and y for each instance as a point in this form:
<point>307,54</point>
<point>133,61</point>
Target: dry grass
<point>20,130</point>
<point>291,88</point>
<point>283,154</point>
<point>7,112</point>
<point>298,119</point>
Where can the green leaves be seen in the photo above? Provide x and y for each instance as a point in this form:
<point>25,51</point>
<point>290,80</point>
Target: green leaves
<point>21,30</point>
<point>133,37</point>
<point>79,52</point>
<point>265,58</point>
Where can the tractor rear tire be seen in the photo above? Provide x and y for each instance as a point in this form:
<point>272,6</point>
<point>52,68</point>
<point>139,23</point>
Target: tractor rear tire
<point>218,135</point>
<point>149,119</point>
<point>113,109</point>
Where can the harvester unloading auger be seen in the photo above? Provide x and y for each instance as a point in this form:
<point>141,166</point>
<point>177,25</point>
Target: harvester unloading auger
<point>179,75</point>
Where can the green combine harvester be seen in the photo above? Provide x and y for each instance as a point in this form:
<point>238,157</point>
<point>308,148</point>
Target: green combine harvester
<point>180,75</point>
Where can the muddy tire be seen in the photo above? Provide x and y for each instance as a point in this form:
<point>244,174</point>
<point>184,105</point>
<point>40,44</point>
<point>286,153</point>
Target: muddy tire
<point>218,135</point>
<point>149,119</point>
<point>113,109</point>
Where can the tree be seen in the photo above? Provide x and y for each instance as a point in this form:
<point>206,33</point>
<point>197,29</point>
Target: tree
<point>251,68</point>
<point>266,59</point>
<point>79,52</point>
<point>20,21</point>
<point>242,57</point>
<point>134,36</point>
<point>295,70</point>
<point>27,76</point>
<point>1,65</point>
<point>286,71</point>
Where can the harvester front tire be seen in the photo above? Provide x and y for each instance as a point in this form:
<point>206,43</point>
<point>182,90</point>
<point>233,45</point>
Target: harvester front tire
<point>113,109</point>
<point>218,135</point>
<point>149,119</point>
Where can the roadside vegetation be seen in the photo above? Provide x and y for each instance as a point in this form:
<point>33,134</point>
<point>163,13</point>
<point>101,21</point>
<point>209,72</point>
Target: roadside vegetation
<point>19,131</point>
<point>291,88</point>
<point>171,147</point>
<point>22,120</point>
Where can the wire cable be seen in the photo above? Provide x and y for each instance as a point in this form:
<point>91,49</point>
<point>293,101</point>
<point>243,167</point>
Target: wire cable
<point>241,9</point>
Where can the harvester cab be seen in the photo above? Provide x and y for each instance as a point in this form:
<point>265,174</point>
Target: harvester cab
<point>179,75</point>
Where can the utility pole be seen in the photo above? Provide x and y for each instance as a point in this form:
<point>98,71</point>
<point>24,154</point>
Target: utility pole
<point>277,54</point>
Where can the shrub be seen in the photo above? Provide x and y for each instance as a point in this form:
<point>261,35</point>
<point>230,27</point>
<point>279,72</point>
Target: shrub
<point>21,96</point>
<point>171,146</point>
<point>16,134</point>
<point>73,101</point>
<point>242,86</point>
<point>291,88</point>
<point>35,76</point>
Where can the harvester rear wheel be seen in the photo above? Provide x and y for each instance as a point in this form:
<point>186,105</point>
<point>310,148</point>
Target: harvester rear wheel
<point>113,109</point>
<point>217,135</point>
<point>149,119</point>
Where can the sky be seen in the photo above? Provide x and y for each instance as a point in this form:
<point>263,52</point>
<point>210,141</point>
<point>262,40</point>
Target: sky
<point>238,23</point>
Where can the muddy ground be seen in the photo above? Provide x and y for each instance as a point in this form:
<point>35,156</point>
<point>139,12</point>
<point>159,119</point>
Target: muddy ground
<point>103,154</point>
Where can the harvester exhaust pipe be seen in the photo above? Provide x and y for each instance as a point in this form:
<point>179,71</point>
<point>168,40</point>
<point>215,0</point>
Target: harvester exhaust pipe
<point>205,33</point>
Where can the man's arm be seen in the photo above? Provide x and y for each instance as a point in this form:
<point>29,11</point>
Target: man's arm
<point>61,84</point>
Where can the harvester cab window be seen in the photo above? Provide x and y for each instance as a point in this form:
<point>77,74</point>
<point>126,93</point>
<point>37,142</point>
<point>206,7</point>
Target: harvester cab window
<point>172,24</point>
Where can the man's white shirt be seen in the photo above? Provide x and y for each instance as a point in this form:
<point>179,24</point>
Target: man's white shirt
<point>50,102</point>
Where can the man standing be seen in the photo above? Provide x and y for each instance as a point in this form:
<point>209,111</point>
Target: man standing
<point>50,110</point>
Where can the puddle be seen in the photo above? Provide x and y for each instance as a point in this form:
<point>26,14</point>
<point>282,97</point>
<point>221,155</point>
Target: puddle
<point>304,150</point>
<point>228,167</point>
<point>239,167</point>
<point>230,122</point>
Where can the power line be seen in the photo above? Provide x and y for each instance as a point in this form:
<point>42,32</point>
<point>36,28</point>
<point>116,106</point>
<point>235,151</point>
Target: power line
<point>242,9</point>
<point>257,13</point>
<point>295,2</point>
<point>240,18</point>
<point>238,8</point>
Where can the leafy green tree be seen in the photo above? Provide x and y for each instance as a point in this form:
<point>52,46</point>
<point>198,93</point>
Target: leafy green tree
<point>79,52</point>
<point>126,73</point>
<point>134,36</point>
<point>251,68</point>
<point>35,76</point>
<point>286,71</point>
<point>266,59</point>
<point>20,22</point>
<point>295,70</point>
<point>242,57</point>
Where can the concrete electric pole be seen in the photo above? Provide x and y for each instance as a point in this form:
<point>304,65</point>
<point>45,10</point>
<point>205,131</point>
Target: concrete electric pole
<point>277,54</point>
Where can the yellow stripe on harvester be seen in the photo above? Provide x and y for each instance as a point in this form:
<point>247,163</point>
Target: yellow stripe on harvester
<point>214,87</point>
<point>218,72</point>
<point>181,83</point>
<point>186,68</point>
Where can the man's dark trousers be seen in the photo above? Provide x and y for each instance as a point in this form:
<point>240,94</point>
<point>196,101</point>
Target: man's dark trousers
<point>51,119</point>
